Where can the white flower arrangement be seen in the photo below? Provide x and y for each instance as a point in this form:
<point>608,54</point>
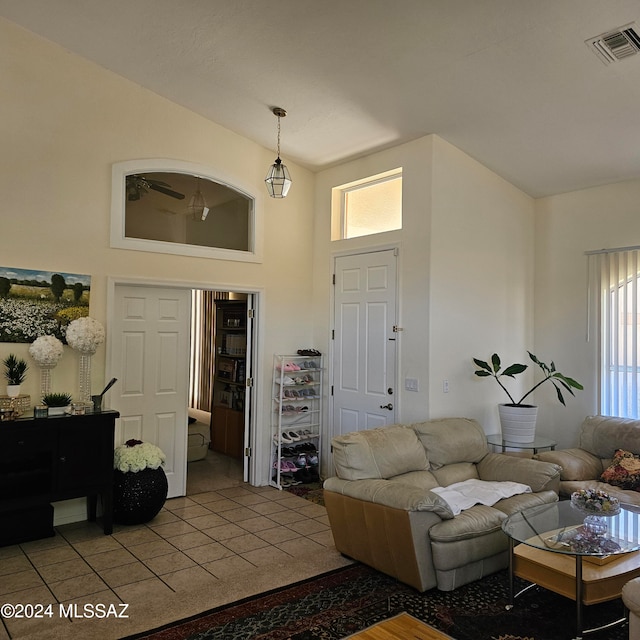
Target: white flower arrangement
<point>46,351</point>
<point>85,335</point>
<point>135,455</point>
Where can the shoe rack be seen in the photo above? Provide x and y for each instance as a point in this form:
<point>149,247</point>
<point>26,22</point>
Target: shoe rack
<point>296,418</point>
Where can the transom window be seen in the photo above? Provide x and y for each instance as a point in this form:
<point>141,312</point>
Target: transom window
<point>369,206</point>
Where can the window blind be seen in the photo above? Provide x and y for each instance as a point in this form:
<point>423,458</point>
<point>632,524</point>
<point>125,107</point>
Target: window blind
<point>613,276</point>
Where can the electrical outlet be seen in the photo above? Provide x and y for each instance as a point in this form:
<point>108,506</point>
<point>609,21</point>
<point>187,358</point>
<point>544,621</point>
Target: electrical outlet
<point>445,386</point>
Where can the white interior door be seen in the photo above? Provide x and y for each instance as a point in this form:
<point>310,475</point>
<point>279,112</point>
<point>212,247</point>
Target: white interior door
<point>364,355</point>
<point>150,358</point>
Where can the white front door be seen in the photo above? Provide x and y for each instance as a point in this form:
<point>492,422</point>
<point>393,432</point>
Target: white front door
<point>150,358</point>
<point>364,355</point>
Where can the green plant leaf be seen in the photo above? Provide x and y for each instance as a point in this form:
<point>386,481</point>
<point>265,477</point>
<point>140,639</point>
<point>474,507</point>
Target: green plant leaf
<point>482,374</point>
<point>557,388</point>
<point>495,361</point>
<point>514,369</point>
<point>482,364</point>
<point>533,358</point>
<point>570,382</point>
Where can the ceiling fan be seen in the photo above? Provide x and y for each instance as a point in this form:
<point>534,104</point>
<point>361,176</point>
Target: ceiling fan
<point>137,185</point>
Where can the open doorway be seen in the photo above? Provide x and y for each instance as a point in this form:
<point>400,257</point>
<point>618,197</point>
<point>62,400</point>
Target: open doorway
<point>221,339</point>
<point>149,347</point>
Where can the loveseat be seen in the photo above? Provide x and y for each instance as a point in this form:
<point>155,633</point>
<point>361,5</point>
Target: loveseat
<point>383,512</point>
<point>583,466</point>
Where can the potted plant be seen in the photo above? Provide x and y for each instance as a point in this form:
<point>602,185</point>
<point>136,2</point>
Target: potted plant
<point>518,419</point>
<point>15,372</point>
<point>57,403</point>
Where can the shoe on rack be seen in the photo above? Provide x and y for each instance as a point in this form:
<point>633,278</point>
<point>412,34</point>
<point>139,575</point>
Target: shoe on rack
<point>288,381</point>
<point>293,436</point>
<point>284,437</point>
<point>292,479</point>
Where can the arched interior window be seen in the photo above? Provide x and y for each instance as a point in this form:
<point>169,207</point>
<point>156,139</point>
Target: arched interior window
<point>181,209</point>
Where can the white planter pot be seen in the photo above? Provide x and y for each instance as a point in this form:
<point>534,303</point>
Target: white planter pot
<point>58,411</point>
<point>13,390</point>
<point>518,423</point>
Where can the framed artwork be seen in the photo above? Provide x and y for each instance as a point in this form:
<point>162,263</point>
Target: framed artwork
<point>34,303</point>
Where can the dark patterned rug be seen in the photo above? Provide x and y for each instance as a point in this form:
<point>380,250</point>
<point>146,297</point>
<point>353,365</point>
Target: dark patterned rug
<point>348,600</point>
<point>311,491</point>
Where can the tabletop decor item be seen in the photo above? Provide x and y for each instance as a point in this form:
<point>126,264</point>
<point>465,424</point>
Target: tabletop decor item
<point>597,505</point>
<point>595,502</point>
<point>46,351</point>
<point>57,403</point>
<point>85,335</point>
<point>140,484</point>
<point>15,373</point>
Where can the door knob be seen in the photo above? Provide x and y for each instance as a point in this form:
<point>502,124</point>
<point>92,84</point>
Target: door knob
<point>387,406</point>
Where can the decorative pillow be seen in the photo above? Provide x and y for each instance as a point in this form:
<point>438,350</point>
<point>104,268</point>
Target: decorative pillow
<point>624,470</point>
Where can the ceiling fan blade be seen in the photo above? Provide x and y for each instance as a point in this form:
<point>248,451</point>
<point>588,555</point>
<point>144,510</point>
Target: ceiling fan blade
<point>167,192</point>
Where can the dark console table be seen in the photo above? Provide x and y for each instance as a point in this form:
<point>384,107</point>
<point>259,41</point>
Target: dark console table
<point>43,460</point>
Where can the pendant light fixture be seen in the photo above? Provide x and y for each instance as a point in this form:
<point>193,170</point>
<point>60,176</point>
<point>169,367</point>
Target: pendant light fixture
<point>197,206</point>
<point>278,180</point>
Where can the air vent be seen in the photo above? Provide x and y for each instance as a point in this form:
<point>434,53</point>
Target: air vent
<point>616,45</point>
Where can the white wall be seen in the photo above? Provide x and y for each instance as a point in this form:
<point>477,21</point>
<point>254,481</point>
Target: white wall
<point>567,225</point>
<point>65,121</point>
<point>481,283</point>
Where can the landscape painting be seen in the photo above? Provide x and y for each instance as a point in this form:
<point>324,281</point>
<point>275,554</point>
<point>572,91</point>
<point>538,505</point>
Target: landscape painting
<point>35,303</point>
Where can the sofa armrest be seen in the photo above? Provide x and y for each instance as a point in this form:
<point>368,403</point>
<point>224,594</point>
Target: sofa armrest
<point>577,464</point>
<point>390,494</point>
<point>540,476</point>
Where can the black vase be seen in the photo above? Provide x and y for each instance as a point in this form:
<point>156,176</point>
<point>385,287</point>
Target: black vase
<point>138,497</point>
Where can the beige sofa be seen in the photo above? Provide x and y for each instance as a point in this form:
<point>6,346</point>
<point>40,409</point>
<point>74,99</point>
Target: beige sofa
<point>383,513</point>
<point>582,466</point>
<point>631,599</point>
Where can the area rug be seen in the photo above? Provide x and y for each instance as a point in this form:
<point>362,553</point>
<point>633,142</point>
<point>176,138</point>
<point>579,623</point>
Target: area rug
<point>338,604</point>
<point>311,491</point>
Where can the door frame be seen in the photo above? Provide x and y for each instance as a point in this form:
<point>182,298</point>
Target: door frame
<point>251,464</point>
<point>395,246</point>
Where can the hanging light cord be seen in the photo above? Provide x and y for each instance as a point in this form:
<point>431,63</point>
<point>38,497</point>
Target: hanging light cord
<point>278,137</point>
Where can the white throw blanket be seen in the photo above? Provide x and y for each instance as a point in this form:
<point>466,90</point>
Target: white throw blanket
<point>463,495</point>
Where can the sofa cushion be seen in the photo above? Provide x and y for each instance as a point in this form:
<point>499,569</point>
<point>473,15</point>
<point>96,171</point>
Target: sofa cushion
<point>424,480</point>
<point>456,472</point>
<point>472,523</point>
<point>624,471</point>
<point>576,464</point>
<point>602,435</point>
<point>378,453</point>
<point>449,440</point>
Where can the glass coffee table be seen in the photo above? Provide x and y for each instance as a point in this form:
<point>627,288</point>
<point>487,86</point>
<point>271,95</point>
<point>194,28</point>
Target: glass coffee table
<point>552,546</point>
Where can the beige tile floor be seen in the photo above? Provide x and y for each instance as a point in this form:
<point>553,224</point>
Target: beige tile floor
<point>204,550</point>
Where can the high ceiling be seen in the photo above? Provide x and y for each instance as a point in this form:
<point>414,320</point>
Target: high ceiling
<point>510,82</point>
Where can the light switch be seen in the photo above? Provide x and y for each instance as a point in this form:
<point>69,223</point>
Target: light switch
<point>411,384</point>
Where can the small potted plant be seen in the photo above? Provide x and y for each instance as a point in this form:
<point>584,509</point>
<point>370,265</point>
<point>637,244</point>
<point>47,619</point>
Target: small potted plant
<point>57,403</point>
<point>15,372</point>
<point>518,419</point>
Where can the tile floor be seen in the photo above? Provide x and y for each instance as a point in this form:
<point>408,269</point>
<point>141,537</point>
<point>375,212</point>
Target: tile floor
<point>216,545</point>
